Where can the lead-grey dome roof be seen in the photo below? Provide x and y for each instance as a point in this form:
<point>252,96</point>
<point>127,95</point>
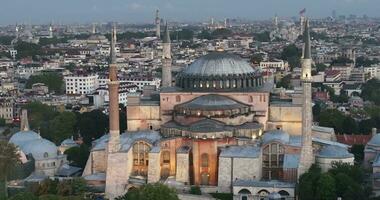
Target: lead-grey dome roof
<point>22,137</point>
<point>331,151</point>
<point>375,140</point>
<point>40,149</point>
<point>218,64</point>
<point>276,135</point>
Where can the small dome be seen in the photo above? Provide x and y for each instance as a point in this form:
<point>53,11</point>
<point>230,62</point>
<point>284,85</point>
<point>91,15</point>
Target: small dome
<point>276,135</point>
<point>331,151</point>
<point>219,64</point>
<point>69,142</point>
<point>22,137</point>
<point>40,149</point>
<point>375,140</point>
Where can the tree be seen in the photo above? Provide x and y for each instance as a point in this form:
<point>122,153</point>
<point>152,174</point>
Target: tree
<point>92,125</point>
<point>262,37</point>
<point>371,91</point>
<point>284,82</point>
<point>326,187</point>
<point>78,155</point>
<point>184,34</point>
<point>195,190</point>
<point>358,151</point>
<point>122,118</point>
<point>349,125</point>
<point>204,34</point>
<point>221,33</point>
<point>8,160</point>
<point>2,122</point>
<point>23,196</point>
<point>62,126</point>
<point>320,67</point>
<point>54,81</point>
<point>308,182</point>
<point>25,49</point>
<point>156,191</point>
<point>332,118</point>
<point>292,54</point>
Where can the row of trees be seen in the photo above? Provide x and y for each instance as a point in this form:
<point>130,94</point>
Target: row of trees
<point>156,191</point>
<point>58,126</point>
<point>342,180</point>
<point>54,190</point>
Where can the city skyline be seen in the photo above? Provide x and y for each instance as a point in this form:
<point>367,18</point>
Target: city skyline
<point>142,11</point>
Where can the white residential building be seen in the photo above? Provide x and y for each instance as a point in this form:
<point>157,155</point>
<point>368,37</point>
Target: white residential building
<point>81,83</point>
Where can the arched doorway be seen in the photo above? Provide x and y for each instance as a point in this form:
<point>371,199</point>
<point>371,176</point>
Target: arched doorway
<point>244,194</point>
<point>165,164</point>
<point>205,177</point>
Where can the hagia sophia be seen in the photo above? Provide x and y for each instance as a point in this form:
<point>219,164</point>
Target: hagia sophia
<point>216,126</point>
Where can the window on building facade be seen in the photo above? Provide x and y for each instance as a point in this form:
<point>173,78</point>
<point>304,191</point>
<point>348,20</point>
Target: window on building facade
<point>140,158</point>
<point>273,160</point>
<point>204,160</point>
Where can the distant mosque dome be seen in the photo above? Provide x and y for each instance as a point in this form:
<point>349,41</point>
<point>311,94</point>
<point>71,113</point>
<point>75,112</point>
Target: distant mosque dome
<point>275,135</point>
<point>22,137</point>
<point>331,151</point>
<point>219,71</point>
<point>40,149</point>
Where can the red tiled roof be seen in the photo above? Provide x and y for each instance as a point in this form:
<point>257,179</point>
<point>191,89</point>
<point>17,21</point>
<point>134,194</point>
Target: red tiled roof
<point>353,139</point>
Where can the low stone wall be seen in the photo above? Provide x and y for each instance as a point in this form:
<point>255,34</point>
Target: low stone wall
<point>194,197</point>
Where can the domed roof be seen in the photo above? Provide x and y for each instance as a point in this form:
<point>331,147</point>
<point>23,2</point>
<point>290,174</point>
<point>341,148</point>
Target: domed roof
<point>213,101</point>
<point>22,137</point>
<point>218,64</point>
<point>331,151</point>
<point>40,149</point>
<point>275,135</point>
<point>68,142</point>
<point>375,140</point>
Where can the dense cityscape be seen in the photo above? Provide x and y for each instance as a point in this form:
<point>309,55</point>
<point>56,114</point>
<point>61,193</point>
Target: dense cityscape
<point>226,108</point>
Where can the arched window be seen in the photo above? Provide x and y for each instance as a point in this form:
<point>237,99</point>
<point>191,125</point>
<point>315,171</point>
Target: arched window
<point>205,178</point>
<point>46,155</point>
<point>204,160</point>
<point>273,160</point>
<point>140,158</point>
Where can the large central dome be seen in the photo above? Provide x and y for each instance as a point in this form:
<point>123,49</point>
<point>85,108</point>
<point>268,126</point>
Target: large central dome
<point>218,71</point>
<point>218,64</point>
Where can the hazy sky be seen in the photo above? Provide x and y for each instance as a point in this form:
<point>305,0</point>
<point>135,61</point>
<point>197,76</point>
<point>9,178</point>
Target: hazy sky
<point>46,11</point>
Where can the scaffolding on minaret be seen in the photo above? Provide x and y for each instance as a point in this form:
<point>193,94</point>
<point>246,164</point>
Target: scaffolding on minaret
<point>158,24</point>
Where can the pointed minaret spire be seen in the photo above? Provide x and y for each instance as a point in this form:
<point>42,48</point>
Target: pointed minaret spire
<point>166,38</point>
<point>113,45</point>
<point>24,126</point>
<point>306,156</point>
<point>306,38</point>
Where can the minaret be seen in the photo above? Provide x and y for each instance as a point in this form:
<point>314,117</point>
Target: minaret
<point>94,28</point>
<point>158,24</point>
<point>306,157</point>
<point>50,31</point>
<point>24,126</point>
<point>275,21</point>
<point>113,186</point>
<point>166,59</point>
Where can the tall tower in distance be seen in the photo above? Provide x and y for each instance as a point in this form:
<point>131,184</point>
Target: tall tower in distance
<point>114,186</point>
<point>158,24</point>
<point>306,157</point>
<point>51,31</point>
<point>166,59</point>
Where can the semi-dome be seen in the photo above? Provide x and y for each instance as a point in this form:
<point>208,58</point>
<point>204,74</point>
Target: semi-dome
<point>331,151</point>
<point>212,105</point>
<point>276,135</point>
<point>219,71</point>
<point>40,149</point>
<point>22,137</point>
